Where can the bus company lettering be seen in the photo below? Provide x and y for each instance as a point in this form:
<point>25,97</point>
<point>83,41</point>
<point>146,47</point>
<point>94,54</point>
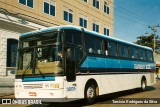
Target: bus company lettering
<point>142,66</point>
<point>71,88</point>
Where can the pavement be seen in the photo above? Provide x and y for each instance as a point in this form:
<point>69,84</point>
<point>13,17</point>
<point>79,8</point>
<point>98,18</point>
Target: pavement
<point>6,85</point>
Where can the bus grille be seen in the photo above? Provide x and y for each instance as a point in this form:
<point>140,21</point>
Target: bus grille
<point>33,86</point>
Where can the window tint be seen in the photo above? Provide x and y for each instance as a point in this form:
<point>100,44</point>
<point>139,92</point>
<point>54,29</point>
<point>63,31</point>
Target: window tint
<point>90,44</point>
<point>65,15</point>
<point>123,50</point>
<point>98,46</point>
<point>28,3</point>
<point>112,48</point>
<point>142,54</point>
<point>46,8</point>
<point>73,37</point>
<point>78,55</point>
<point>96,3</point>
<point>149,55</point>
<point>105,47</point>
<point>106,8</point>
<point>93,45</point>
<point>52,10</point>
<point>11,52</point>
<point>134,53</point>
<point>68,16</point>
<point>95,27</point>
<point>83,22</point>
<point>22,2</point>
<point>49,8</point>
<point>85,1</point>
<point>106,31</point>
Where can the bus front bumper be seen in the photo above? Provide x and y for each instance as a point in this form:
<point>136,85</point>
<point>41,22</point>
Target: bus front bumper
<point>56,95</point>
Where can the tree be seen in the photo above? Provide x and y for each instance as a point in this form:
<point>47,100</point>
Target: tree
<point>148,41</point>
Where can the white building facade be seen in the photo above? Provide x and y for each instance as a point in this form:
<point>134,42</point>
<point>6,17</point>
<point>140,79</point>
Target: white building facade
<point>10,29</point>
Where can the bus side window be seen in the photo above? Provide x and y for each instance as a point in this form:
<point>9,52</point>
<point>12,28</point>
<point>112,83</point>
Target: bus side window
<point>142,54</point>
<point>73,37</point>
<point>149,56</point>
<point>98,45</point>
<point>106,47</point>
<point>89,44</point>
<point>123,51</point>
<point>112,48</point>
<point>77,38</point>
<point>132,52</point>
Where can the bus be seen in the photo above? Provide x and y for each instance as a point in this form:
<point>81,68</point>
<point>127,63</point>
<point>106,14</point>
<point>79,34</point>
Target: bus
<point>66,63</point>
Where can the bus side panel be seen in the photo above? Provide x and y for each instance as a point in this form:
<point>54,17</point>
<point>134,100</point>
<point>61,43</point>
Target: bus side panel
<point>119,82</point>
<point>110,83</point>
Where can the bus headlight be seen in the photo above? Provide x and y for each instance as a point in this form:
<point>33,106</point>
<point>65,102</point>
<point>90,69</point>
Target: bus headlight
<point>56,85</point>
<point>51,85</point>
<point>18,86</point>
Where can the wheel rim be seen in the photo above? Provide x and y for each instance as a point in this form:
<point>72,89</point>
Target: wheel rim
<point>90,92</point>
<point>143,85</point>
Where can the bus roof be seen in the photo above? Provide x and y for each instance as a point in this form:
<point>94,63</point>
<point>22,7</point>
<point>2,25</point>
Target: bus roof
<point>65,27</point>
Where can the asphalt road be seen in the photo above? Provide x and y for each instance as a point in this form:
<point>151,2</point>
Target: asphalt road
<point>130,98</point>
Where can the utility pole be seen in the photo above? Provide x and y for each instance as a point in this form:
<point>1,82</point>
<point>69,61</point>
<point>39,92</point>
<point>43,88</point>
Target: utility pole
<point>154,29</point>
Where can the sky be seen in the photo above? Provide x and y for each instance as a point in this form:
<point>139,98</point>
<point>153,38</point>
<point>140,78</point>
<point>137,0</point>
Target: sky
<point>132,18</point>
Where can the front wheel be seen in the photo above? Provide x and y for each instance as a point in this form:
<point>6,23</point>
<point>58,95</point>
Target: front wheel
<point>143,85</point>
<point>90,93</point>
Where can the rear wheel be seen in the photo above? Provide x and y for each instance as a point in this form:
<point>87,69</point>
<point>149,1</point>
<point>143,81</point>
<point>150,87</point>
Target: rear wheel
<point>90,93</point>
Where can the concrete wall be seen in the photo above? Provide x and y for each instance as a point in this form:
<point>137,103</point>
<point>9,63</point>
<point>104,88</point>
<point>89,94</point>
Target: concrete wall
<point>157,58</point>
<point>8,31</point>
<point>6,85</point>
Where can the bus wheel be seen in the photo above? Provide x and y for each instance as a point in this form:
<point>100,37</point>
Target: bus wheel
<point>90,93</point>
<point>143,85</point>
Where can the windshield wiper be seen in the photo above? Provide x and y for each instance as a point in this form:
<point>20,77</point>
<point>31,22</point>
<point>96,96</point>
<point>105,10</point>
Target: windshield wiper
<point>40,72</point>
<point>26,69</point>
<point>38,67</point>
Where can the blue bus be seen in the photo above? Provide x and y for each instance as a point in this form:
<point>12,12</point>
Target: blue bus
<point>67,63</point>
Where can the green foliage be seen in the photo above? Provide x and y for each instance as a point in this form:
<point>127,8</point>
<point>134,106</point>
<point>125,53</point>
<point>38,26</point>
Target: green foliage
<point>148,41</point>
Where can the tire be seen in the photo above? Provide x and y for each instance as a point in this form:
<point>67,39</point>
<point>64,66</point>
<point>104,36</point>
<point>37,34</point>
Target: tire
<point>143,85</point>
<point>90,93</point>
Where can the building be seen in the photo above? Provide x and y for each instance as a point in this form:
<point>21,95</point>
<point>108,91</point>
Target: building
<point>19,16</point>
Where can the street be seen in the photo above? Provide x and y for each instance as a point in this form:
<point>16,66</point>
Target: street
<point>109,100</point>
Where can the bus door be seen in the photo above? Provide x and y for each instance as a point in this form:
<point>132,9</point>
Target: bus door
<point>70,65</point>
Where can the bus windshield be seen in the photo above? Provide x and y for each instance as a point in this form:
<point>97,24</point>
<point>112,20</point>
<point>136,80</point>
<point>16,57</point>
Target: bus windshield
<point>40,54</point>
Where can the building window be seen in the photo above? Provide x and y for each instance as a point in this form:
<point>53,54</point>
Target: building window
<point>96,3</point>
<point>85,1</point>
<point>11,52</point>
<point>95,27</point>
<point>49,7</point>
<point>28,3</point>
<point>106,8</point>
<point>68,16</point>
<point>83,21</point>
<point>106,31</point>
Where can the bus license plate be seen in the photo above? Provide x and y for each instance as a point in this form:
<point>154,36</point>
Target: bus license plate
<point>32,94</point>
